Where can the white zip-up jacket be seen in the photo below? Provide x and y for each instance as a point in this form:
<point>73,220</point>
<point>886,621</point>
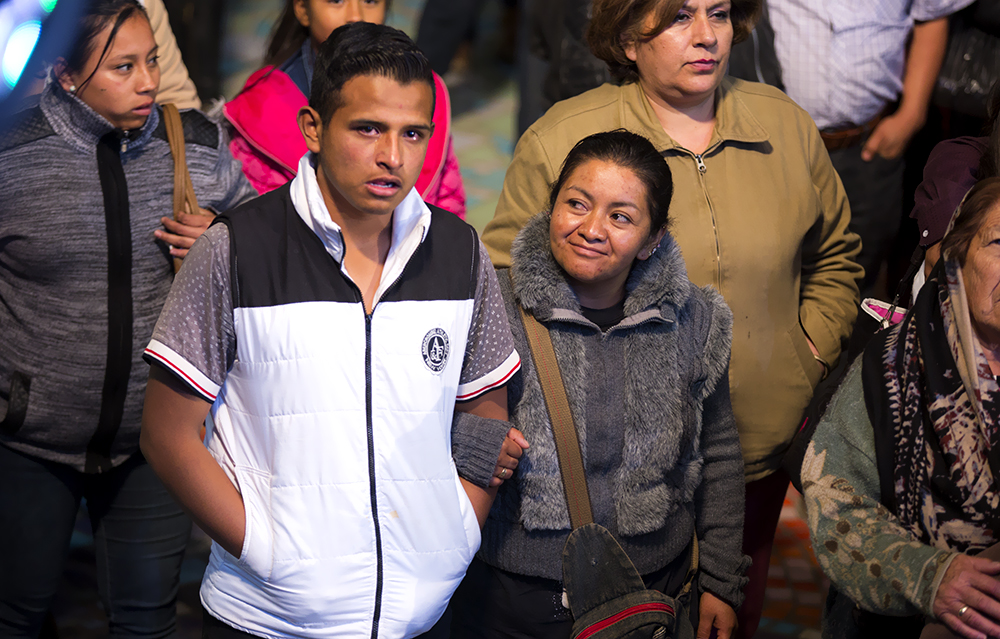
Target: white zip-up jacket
<point>335,424</point>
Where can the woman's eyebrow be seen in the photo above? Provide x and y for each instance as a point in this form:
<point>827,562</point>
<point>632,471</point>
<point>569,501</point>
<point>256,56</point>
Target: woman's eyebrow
<point>618,204</point>
<point>581,190</point>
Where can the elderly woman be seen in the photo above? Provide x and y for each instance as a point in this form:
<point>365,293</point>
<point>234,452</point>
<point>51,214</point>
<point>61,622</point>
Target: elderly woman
<point>900,478</point>
<point>643,354</point>
<point>952,168</point>
<point>758,210</point>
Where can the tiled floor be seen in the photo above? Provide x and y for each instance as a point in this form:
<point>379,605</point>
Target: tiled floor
<point>484,106</point>
<point>796,587</point>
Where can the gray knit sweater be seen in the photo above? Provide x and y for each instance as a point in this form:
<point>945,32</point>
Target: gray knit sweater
<point>650,399</point>
<point>56,244</point>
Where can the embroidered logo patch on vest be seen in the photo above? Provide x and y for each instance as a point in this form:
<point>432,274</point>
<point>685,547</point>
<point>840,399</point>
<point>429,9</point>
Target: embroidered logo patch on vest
<point>435,349</point>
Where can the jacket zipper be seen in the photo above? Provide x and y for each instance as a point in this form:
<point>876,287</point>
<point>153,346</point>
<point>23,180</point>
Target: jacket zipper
<point>702,170</point>
<point>605,335</point>
<point>369,421</point>
<point>371,469</point>
<point>118,364</point>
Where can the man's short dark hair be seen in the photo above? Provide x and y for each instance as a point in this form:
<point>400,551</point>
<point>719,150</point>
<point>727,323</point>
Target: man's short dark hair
<point>362,48</point>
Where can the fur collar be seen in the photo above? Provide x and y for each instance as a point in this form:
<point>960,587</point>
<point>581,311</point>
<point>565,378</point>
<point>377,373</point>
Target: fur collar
<point>659,282</point>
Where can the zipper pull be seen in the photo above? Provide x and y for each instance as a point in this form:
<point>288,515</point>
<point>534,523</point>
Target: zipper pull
<point>124,144</point>
<point>701,164</point>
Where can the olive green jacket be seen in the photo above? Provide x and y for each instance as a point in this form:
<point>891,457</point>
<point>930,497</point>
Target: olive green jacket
<point>761,215</point>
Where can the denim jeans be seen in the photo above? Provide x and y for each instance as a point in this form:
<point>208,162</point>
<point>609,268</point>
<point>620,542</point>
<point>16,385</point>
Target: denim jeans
<point>140,534</point>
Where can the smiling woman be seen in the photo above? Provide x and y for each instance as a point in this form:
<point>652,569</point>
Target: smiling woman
<point>597,232</point>
<point>643,354</point>
<point>85,267</point>
<point>596,236</point>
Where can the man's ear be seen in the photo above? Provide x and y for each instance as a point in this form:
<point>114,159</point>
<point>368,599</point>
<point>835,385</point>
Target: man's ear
<point>301,10</point>
<point>311,126</point>
<point>63,75</point>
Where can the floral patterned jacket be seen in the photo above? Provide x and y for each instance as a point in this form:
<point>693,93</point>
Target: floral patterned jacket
<point>860,544</point>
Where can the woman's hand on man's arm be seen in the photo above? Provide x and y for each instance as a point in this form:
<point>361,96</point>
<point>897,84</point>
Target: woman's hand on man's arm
<point>171,442</point>
<point>510,455</point>
<point>493,405</point>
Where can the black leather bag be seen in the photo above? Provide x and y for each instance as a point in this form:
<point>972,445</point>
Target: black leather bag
<point>606,594</point>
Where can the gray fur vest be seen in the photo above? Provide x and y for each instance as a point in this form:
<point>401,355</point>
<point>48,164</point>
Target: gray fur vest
<point>677,339</point>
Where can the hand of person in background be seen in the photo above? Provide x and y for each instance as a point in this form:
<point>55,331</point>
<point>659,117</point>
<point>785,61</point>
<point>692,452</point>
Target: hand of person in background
<point>715,613</point>
<point>511,451</point>
<point>968,599</point>
<point>923,62</point>
<point>181,233</point>
<point>891,136</point>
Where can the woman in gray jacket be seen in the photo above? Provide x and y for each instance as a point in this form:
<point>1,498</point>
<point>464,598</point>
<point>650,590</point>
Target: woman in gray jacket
<point>86,245</point>
<point>644,357</point>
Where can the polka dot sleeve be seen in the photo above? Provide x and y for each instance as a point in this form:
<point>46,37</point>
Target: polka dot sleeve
<point>194,336</point>
<point>490,358</point>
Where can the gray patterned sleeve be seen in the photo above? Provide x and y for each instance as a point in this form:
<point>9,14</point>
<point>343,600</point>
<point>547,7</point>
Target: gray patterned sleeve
<point>490,362</point>
<point>194,336</point>
<point>490,358</point>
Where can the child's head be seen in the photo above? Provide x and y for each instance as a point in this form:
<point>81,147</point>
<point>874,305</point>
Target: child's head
<point>315,20</point>
<point>369,118</point>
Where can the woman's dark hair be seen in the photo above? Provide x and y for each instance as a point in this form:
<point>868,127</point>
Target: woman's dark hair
<point>989,164</point>
<point>96,16</point>
<point>972,214</point>
<point>289,35</point>
<point>629,151</point>
<point>617,23</point>
<point>363,48</point>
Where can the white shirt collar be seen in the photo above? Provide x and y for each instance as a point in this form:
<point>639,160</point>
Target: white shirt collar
<point>410,223</point>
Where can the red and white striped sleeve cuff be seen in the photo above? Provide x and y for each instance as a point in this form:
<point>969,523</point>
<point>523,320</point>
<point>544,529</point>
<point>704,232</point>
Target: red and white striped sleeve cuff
<point>495,379</point>
<point>162,354</point>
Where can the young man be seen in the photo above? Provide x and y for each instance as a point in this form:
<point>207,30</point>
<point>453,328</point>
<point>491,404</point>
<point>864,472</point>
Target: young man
<point>327,330</point>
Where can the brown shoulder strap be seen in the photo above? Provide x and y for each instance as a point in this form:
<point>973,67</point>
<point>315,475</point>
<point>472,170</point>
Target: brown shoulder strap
<point>184,196</point>
<point>563,429</point>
